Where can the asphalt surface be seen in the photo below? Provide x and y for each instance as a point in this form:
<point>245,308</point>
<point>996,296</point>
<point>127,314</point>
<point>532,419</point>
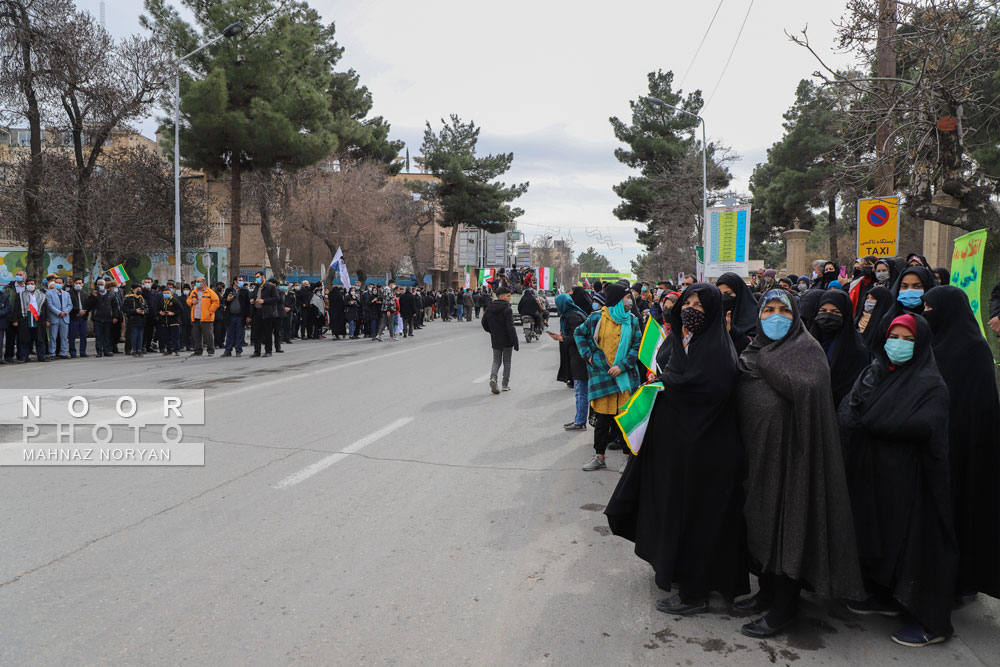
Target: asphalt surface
<point>454,527</point>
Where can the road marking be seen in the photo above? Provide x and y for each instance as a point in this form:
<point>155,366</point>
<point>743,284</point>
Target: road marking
<point>326,369</point>
<point>328,461</point>
<point>482,379</point>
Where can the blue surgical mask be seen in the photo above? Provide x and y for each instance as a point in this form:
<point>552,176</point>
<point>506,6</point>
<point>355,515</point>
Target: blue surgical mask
<point>898,350</point>
<point>596,306</point>
<point>59,286</point>
<point>776,326</point>
<point>257,280</point>
<point>911,298</point>
<point>18,279</point>
<point>239,283</point>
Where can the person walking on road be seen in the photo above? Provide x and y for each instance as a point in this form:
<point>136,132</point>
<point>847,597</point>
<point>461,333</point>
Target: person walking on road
<point>498,321</point>
<point>468,304</point>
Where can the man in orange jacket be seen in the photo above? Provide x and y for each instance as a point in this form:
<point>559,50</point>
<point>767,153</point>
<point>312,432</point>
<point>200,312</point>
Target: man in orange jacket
<point>203,302</point>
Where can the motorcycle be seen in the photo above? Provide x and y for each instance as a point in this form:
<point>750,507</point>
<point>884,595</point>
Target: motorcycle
<point>532,331</point>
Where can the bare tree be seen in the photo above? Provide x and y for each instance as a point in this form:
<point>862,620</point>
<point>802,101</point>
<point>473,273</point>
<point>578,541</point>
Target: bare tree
<point>354,207</point>
<point>26,26</point>
<point>101,85</point>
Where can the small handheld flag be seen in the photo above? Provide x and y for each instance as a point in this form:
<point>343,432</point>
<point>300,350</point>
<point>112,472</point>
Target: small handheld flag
<point>652,338</point>
<point>635,417</point>
<point>119,274</point>
<point>33,310</point>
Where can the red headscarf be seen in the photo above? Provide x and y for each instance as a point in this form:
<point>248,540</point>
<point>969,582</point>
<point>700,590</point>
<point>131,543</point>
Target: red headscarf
<point>907,321</point>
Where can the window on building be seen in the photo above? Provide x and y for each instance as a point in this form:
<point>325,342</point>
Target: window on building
<point>5,137</point>
<point>24,138</point>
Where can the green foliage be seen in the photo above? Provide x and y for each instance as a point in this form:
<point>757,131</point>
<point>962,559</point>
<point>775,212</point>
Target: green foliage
<point>798,174</point>
<point>660,143</point>
<point>591,261</point>
<point>468,192</point>
<point>269,97</point>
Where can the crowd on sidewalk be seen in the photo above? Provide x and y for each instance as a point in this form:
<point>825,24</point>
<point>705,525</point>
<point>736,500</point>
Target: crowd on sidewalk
<point>56,318</point>
<point>835,434</point>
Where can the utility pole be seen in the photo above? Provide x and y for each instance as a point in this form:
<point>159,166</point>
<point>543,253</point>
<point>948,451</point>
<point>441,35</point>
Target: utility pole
<point>885,62</point>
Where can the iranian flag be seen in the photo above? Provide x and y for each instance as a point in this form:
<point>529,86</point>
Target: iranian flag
<point>634,419</point>
<point>33,309</point>
<point>546,280</point>
<point>119,274</point>
<point>487,276</point>
<point>652,338</point>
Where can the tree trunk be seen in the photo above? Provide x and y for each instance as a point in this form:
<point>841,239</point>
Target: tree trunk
<point>264,207</point>
<point>832,210</point>
<point>236,219</point>
<point>885,62</point>
<point>34,227</point>
<point>451,257</point>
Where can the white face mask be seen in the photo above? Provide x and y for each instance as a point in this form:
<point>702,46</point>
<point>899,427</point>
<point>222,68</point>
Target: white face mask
<point>186,292</point>
<point>31,288</point>
<point>52,285</point>
<point>78,286</point>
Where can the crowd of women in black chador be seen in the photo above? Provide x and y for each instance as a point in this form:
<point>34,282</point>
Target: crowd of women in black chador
<point>831,440</point>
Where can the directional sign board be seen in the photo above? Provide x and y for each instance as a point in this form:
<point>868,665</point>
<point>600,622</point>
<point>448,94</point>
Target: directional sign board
<point>878,226</point>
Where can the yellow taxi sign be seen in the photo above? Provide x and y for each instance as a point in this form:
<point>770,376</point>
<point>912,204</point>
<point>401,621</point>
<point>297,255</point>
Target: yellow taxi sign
<point>878,226</point>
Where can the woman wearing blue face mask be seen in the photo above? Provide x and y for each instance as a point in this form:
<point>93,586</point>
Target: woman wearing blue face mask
<point>894,429</point>
<point>907,296</point>
<point>800,531</point>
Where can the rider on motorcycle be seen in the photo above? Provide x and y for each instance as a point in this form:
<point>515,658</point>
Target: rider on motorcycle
<point>529,306</point>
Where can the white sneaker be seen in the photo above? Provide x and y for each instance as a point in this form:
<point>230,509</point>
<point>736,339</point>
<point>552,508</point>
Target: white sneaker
<point>596,463</point>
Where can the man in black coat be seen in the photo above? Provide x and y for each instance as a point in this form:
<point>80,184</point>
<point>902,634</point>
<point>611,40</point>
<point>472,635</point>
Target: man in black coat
<point>529,306</point>
<point>407,310</point>
<point>81,305</point>
<point>236,304</point>
<point>498,320</point>
<point>266,316</point>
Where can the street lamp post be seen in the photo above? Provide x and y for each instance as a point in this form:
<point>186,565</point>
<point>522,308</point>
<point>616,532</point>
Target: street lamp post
<point>704,172</point>
<point>230,31</point>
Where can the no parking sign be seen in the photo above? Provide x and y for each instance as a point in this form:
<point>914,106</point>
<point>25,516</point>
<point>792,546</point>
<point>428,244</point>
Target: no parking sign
<point>878,226</point>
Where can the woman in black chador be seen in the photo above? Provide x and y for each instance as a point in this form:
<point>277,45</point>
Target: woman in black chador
<point>894,429</point>
<point>966,364</point>
<point>800,531</point>
<point>681,499</point>
<point>845,349</point>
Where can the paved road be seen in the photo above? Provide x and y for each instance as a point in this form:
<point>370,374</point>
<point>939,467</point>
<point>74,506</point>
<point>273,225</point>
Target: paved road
<point>459,531</point>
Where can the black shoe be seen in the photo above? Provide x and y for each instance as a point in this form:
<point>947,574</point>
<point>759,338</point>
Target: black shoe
<point>757,604</point>
<point>196,354</point>
<point>99,355</point>
<point>761,629</point>
<point>227,354</point>
<point>678,607</point>
<point>255,354</point>
<point>575,427</point>
<point>83,356</point>
<point>278,350</point>
<point>45,359</point>
<point>267,354</point>
<point>239,353</point>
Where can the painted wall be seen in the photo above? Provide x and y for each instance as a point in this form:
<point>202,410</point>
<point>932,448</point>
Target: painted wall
<point>210,263</point>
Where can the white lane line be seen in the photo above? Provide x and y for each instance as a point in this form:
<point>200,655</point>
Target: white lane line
<point>325,369</point>
<point>328,461</point>
<point>482,379</point>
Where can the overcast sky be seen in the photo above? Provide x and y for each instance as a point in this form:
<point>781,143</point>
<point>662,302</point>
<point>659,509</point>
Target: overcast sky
<point>542,77</point>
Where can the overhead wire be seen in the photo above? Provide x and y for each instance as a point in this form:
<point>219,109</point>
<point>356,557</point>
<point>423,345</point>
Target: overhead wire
<point>730,58</point>
<point>701,44</point>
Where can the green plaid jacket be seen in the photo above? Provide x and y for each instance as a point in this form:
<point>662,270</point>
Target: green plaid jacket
<point>600,383</point>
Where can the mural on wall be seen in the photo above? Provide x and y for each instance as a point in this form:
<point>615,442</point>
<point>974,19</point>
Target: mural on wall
<point>209,263</point>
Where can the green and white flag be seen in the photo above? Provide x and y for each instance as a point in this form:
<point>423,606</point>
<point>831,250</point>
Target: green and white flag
<point>652,338</point>
<point>635,418</point>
